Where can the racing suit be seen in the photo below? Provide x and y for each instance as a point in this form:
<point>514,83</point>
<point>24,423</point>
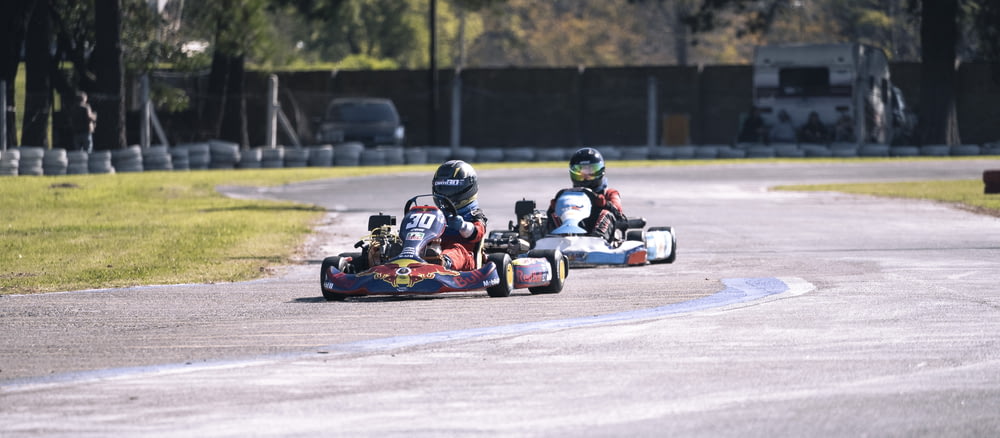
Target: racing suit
<point>459,249</point>
<point>604,216</point>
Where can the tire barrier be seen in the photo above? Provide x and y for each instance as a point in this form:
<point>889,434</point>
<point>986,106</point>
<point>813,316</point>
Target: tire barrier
<point>550,154</point>
<point>199,156</point>
<point>415,155</point>
<point>662,153</point>
<point>966,150</point>
<point>321,156</point>
<point>706,152</point>
<point>127,160</point>
<point>223,154</point>
<point>519,155</point>
<point>55,162</point>
<point>935,150</point>
<point>728,152</point>
<point>759,151</point>
<point>372,157</point>
<point>272,158</point>
<point>250,159</point>
<point>9,162</point>
<point>991,180</point>
<point>873,150</point>
<point>179,158</point>
<point>29,160</point>
<point>438,154</point>
<point>816,150</point>
<point>157,158</point>
<point>393,155</point>
<point>296,157</point>
<point>783,150</point>
<point>635,153</point>
<point>904,151</point>
<point>347,154</point>
<point>100,162</point>
<point>77,163</point>
<point>464,153</point>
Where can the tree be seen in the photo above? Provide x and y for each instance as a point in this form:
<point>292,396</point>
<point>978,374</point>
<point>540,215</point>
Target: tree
<point>108,96</point>
<point>15,15</point>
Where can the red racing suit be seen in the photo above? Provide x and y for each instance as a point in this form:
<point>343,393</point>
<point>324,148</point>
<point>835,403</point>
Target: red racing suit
<point>605,212</point>
<point>462,250</point>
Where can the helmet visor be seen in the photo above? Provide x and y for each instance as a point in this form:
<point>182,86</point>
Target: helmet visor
<point>586,172</point>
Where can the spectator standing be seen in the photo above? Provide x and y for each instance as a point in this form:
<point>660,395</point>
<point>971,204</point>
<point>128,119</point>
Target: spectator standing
<point>83,120</point>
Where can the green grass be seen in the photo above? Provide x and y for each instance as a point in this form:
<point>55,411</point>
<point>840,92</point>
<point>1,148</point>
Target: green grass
<point>94,231</point>
<point>965,193</point>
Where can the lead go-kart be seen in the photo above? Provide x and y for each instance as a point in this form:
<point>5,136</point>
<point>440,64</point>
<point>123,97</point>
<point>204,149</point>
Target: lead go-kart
<point>631,244</point>
<point>391,263</point>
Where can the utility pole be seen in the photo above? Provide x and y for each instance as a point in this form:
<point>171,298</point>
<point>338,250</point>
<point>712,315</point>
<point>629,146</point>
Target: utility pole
<point>433,76</point>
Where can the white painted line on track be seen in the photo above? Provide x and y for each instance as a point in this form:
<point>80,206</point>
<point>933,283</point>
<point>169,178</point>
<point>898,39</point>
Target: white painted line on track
<point>738,291</point>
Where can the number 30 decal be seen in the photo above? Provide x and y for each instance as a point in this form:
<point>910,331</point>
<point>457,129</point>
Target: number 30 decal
<point>422,220</point>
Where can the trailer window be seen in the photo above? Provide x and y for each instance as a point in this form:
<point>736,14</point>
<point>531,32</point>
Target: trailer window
<point>804,82</point>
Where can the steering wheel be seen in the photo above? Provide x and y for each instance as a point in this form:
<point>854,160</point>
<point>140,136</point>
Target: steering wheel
<point>447,207</point>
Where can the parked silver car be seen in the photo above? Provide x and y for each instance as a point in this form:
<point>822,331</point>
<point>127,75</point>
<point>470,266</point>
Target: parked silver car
<point>368,120</point>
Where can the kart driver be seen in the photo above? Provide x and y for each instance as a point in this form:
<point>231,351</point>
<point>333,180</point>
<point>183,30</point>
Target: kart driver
<point>457,181</point>
<point>586,169</point>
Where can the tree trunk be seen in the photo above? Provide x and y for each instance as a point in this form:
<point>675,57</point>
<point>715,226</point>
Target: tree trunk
<point>38,86</point>
<point>14,15</point>
<point>108,97</point>
<point>938,123</point>
<point>234,121</point>
<point>214,105</point>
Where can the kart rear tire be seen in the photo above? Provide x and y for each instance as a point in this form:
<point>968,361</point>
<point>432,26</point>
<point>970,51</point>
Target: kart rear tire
<point>334,261</point>
<point>673,245</point>
<point>636,235</point>
<point>505,270</point>
<point>560,270</point>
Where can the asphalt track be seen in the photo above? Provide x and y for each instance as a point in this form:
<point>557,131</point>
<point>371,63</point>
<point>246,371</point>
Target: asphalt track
<point>786,314</point>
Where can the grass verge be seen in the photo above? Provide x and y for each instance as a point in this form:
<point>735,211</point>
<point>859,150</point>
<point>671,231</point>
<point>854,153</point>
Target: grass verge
<point>966,194</point>
<point>94,231</point>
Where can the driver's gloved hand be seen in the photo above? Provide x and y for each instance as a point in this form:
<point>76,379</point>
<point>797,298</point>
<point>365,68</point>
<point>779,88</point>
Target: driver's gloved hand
<point>459,224</point>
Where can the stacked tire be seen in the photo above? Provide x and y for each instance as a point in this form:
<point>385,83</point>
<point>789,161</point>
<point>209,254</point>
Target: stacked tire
<point>157,158</point>
<point>76,162</point>
<point>9,162</point>
<point>31,161</point>
<point>55,162</point>
<point>223,154</point>
<point>128,159</point>
<point>100,162</point>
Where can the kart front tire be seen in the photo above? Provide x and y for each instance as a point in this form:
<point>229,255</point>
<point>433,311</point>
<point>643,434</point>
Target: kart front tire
<point>673,245</point>
<point>505,270</point>
<point>560,270</point>
<point>338,262</point>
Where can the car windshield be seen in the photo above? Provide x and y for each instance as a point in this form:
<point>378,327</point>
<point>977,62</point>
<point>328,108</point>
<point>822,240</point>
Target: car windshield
<point>361,112</point>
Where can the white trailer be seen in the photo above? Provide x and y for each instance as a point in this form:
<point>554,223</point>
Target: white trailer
<point>831,79</point>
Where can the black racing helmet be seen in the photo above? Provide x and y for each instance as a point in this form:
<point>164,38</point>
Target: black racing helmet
<point>586,169</point>
<point>457,181</point>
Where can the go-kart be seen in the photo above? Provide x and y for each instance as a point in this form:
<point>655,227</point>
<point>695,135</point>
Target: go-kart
<point>398,263</point>
<point>630,244</point>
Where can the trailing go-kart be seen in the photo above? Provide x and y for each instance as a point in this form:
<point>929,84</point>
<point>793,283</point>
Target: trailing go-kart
<point>631,244</point>
<point>394,263</point>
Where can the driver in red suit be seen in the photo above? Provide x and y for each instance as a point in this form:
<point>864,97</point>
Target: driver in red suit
<point>457,181</point>
<point>586,169</point>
